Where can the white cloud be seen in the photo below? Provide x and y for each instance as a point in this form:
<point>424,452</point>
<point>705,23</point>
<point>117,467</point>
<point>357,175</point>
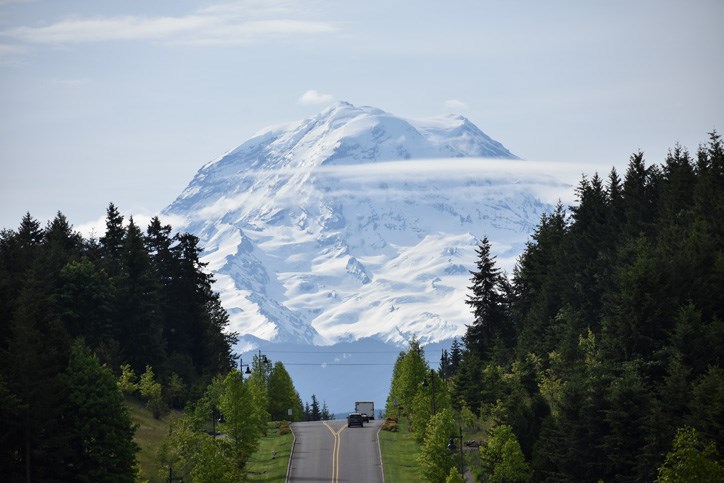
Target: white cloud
<point>9,50</point>
<point>231,23</point>
<point>313,97</point>
<point>456,105</point>
<point>92,229</point>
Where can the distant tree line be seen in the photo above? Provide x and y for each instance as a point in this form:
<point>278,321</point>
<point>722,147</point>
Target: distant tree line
<point>73,311</point>
<point>601,357</point>
<point>313,412</point>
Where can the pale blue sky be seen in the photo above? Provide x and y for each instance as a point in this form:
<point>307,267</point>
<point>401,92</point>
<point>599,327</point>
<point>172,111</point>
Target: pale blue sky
<point>104,100</point>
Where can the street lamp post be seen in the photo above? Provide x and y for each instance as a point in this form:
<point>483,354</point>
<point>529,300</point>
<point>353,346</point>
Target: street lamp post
<point>171,478</point>
<point>242,365</point>
<point>451,447</point>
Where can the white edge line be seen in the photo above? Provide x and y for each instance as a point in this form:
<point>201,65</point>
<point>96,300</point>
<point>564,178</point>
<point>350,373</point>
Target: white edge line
<point>291,453</point>
<point>379,450</point>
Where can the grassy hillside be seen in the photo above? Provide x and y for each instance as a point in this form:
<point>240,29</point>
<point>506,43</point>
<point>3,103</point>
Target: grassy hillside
<point>268,464</point>
<point>149,434</point>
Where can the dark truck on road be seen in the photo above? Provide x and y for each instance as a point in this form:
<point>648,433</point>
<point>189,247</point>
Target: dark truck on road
<point>355,419</point>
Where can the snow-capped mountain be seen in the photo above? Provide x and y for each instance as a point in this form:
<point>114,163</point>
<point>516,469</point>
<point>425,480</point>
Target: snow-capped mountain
<point>356,223</point>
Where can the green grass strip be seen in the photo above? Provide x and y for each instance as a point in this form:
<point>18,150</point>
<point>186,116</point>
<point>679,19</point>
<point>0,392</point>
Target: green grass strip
<point>399,456</point>
<point>263,465</point>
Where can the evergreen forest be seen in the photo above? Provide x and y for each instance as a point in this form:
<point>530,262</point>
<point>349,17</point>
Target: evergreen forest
<point>78,317</point>
<point>600,357</point>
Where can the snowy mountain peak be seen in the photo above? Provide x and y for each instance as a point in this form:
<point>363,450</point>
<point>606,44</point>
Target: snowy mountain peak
<point>331,229</point>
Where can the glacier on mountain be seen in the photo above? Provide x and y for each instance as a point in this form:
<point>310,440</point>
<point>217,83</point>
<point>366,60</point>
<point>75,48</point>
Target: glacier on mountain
<point>356,223</point>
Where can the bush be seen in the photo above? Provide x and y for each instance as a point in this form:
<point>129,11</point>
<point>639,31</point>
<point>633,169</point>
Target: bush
<point>390,424</point>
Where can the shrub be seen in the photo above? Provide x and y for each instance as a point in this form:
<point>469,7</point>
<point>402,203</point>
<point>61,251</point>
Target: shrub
<point>390,424</point>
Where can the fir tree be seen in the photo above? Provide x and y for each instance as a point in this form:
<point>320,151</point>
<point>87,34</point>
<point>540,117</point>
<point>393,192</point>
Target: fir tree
<point>315,413</point>
<point>97,423</point>
<point>112,243</point>
<point>456,354</point>
<point>487,303</point>
<point>324,413</point>
<point>137,319</point>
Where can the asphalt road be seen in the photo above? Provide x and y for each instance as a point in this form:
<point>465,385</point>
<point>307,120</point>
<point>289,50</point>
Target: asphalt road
<point>330,451</point>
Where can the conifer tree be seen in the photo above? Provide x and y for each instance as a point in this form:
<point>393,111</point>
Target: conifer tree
<point>324,412</point>
<point>487,303</point>
<point>31,362</point>
<point>97,422</point>
<point>315,414</point>
<point>112,243</point>
<point>639,196</point>
<point>456,354</point>
<point>85,302</point>
<point>137,313</point>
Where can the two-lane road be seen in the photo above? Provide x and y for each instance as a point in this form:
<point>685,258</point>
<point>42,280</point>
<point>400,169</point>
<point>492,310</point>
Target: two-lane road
<point>330,451</point>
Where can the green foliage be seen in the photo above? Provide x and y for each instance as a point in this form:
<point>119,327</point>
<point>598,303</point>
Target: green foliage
<point>237,410</point>
<point>245,415</point>
<point>130,297</point>
<point>174,391</point>
<point>469,421</point>
<point>152,392</point>
<point>691,460</point>
<point>282,395</point>
<point>410,370</point>
<point>97,422</point>
<point>617,322</point>
<point>454,476</point>
<point>489,303</point>
<point>502,457</point>
<point>85,297</point>
<point>127,380</point>
<point>271,461</point>
<point>33,358</point>
<point>190,452</point>
<point>431,398</point>
<point>434,458</point>
<point>399,456</point>
<point>707,404</point>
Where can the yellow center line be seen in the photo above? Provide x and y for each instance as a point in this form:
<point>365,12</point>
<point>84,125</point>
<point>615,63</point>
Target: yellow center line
<point>335,450</point>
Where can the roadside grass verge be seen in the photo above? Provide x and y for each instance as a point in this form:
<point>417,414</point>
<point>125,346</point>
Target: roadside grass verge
<point>399,456</point>
<point>262,466</point>
<point>149,434</point>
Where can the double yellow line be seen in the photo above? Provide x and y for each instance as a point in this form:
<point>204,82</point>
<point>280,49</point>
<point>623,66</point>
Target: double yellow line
<point>335,450</point>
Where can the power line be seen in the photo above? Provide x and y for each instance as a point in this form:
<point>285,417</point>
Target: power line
<point>325,352</point>
<point>337,364</point>
<point>343,363</point>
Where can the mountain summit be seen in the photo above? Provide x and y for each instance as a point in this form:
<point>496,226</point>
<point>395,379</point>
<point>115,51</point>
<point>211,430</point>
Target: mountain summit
<point>355,223</point>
